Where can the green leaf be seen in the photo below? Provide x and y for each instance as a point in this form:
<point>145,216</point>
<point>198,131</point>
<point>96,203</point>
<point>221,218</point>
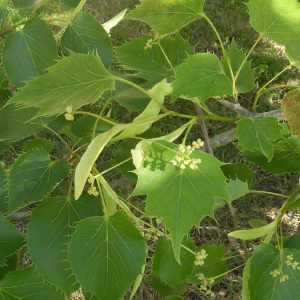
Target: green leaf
<point>4,146</point>
<point>201,76</point>
<point>292,242</point>
<point>85,35</point>
<point>89,157</point>
<point>10,239</point>
<point>3,191</point>
<point>165,289</point>
<point>127,95</point>
<point>82,77</point>
<point>28,52</point>
<point>38,144</point>
<point>174,298</point>
<point>177,195</point>
<point>291,109</point>
<point>262,285</point>
<point>27,284</point>
<point>49,231</point>
<point>257,133</point>
<point>167,16</point>
<point>70,3</point>
<point>255,233</point>
<point>286,157</point>
<point>32,177</point>
<point>237,189</point>
<point>2,75</point>
<point>83,128</point>
<point>124,152</point>
<point>246,276</point>
<point>276,19</point>
<point>165,265</point>
<point>107,254</point>
<point>292,51</point>
<point>238,171</point>
<point>28,5</point>
<point>257,224</point>
<point>18,123</point>
<point>214,264</point>
<point>108,25</point>
<point>11,264</point>
<point>151,63</point>
<point>5,94</point>
<point>245,80</point>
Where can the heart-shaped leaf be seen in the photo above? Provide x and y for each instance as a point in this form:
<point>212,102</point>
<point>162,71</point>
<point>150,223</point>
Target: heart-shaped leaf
<point>167,16</point>
<point>177,195</point>
<point>51,225</point>
<point>28,52</point>
<point>107,254</point>
<point>32,177</point>
<point>276,19</point>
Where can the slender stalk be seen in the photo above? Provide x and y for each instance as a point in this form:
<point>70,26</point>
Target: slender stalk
<point>188,249</point>
<point>38,8</point>
<point>247,56</point>
<point>280,87</point>
<point>95,116</point>
<point>13,27</point>
<point>205,108</point>
<point>194,285</point>
<point>229,271</point>
<point>71,181</point>
<point>165,110</point>
<point>64,142</point>
<point>115,166</point>
<point>100,191</point>
<point>261,90</point>
<point>217,34</point>
<point>165,55</point>
<point>188,130</point>
<point>268,193</point>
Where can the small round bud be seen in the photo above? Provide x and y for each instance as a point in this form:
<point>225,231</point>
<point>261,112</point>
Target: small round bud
<point>69,109</point>
<point>69,117</point>
<point>182,166</point>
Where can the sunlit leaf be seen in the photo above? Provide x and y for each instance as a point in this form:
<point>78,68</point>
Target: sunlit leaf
<point>262,285</point>
<point>292,242</point>
<point>27,284</point>
<point>51,225</point>
<point>245,80</point>
<point>107,254</point>
<point>152,63</point>
<point>257,133</point>
<point>165,289</point>
<point>10,239</point>
<point>114,21</point>
<point>214,264</point>
<point>201,76</point>
<point>165,265</point>
<point>28,52</point>
<point>286,157</point>
<point>86,163</point>
<point>75,80</point>
<point>85,35</point>
<point>178,195</point>
<point>291,109</point>
<point>167,16</point>
<point>292,51</point>
<point>32,177</point>
<point>276,19</point>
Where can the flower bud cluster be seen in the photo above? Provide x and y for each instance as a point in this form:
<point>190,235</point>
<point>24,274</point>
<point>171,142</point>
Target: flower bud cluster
<point>200,256</point>
<point>153,234</point>
<point>294,264</point>
<point>184,160</point>
<point>92,190</point>
<point>69,115</point>
<point>149,44</point>
<point>206,282</point>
